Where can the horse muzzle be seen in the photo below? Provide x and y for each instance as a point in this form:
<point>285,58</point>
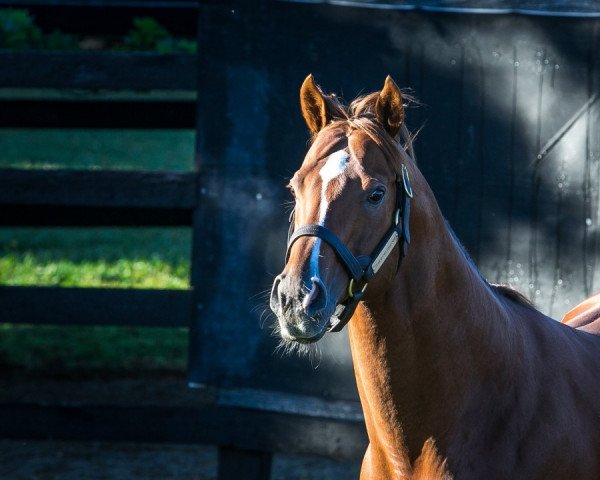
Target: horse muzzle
<point>302,308</point>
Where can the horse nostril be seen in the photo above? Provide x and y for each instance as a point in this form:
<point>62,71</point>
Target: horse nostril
<point>316,300</point>
<point>276,299</point>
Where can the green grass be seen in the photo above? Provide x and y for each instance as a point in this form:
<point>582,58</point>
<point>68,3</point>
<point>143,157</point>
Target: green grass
<point>55,350</point>
<point>94,149</point>
<point>94,257</point>
<point>110,257</point>
<point>106,257</point>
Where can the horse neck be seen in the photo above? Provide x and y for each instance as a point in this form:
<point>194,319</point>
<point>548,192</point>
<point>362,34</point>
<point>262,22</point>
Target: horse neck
<point>429,340</point>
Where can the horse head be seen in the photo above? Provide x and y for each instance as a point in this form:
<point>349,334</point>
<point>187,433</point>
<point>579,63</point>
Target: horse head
<point>349,227</point>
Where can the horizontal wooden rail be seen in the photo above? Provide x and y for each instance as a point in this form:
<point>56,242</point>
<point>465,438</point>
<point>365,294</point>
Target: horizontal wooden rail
<point>92,198</point>
<point>84,70</point>
<point>166,4</point>
<point>64,216</point>
<point>112,114</point>
<point>98,188</point>
<point>95,306</point>
<point>246,429</point>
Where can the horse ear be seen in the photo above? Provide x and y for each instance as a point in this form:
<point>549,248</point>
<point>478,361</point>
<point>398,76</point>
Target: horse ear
<point>389,108</point>
<point>313,104</point>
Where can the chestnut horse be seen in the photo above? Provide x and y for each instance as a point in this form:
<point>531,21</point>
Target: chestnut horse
<point>457,378</point>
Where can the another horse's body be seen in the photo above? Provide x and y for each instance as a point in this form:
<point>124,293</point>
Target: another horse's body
<point>585,316</point>
<point>440,357</point>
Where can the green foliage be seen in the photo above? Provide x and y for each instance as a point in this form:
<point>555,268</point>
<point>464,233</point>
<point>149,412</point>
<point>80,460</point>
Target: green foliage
<point>176,45</point>
<point>18,30</point>
<point>58,40</point>
<point>149,35</point>
<point>146,34</point>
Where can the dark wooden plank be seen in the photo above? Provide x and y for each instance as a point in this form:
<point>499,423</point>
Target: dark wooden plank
<point>95,306</point>
<point>209,424</point>
<point>65,216</point>
<point>129,71</point>
<point>255,464</point>
<point>95,198</point>
<point>109,17</point>
<point>97,114</point>
<point>98,188</point>
<point>170,4</point>
<point>275,401</point>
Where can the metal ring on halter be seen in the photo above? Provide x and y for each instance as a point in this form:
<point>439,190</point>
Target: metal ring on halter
<point>351,290</point>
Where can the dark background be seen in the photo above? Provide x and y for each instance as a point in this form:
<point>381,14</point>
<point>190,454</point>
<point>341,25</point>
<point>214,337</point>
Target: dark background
<point>494,89</point>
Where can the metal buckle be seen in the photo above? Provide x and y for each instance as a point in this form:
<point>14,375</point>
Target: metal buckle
<point>406,181</point>
<point>351,292</point>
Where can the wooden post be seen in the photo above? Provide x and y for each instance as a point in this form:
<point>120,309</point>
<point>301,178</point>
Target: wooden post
<point>228,213</point>
<point>234,194</point>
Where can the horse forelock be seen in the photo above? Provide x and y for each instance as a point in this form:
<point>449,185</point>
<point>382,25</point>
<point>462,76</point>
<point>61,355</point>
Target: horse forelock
<point>360,116</point>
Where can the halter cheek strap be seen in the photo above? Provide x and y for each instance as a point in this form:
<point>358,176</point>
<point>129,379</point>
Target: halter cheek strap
<point>363,268</point>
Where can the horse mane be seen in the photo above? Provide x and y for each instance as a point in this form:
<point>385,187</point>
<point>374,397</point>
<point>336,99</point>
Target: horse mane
<point>360,115</point>
<point>503,290</point>
<point>430,465</point>
<point>512,295</point>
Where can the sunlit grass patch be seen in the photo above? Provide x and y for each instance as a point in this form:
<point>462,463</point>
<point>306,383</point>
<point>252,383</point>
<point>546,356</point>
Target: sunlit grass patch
<point>101,257</point>
<point>28,269</point>
<point>98,257</point>
<point>95,257</point>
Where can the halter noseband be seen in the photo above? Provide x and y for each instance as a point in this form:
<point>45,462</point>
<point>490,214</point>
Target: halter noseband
<point>362,268</point>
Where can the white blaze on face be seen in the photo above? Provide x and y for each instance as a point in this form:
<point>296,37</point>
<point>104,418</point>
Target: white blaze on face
<point>334,167</point>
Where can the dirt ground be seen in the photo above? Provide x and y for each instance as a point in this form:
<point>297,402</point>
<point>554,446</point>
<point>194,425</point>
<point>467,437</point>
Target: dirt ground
<point>60,460</point>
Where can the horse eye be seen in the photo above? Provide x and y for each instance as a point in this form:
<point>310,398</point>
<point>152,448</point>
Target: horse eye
<point>377,196</point>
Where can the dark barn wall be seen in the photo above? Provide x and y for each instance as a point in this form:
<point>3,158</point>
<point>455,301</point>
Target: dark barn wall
<point>494,89</point>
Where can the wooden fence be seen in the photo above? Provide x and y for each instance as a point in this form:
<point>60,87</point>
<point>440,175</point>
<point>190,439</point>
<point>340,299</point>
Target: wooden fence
<point>247,433</point>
